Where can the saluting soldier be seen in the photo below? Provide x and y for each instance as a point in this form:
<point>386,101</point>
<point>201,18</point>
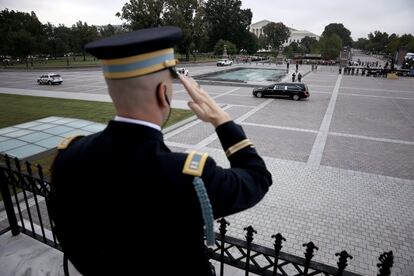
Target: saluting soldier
<point>121,201</point>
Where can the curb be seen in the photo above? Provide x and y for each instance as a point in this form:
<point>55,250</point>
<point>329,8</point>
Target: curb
<point>179,124</point>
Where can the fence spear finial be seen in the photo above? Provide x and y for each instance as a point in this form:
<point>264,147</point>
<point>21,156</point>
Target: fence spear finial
<point>386,262</point>
<point>250,233</point>
<point>343,261</point>
<point>223,226</point>
<point>278,242</point>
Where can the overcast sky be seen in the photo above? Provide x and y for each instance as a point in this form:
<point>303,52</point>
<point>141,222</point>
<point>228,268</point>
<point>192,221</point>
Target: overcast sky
<point>359,16</point>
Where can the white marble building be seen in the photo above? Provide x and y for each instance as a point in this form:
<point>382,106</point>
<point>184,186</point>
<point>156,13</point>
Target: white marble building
<point>295,35</point>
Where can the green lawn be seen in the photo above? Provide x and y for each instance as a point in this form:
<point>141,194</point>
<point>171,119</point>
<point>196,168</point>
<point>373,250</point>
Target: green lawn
<point>20,109</point>
<point>16,109</point>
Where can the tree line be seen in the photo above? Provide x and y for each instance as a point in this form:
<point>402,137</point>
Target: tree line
<point>382,42</point>
<point>208,26</point>
<point>204,25</point>
<point>22,35</point>
<point>334,37</point>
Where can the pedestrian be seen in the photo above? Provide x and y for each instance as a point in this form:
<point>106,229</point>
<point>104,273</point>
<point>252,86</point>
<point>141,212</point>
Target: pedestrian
<point>293,77</point>
<point>120,199</point>
<point>299,77</point>
<point>287,66</point>
<point>297,66</point>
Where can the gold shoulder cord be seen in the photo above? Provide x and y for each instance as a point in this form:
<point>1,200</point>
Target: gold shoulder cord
<point>238,146</point>
<point>194,165</point>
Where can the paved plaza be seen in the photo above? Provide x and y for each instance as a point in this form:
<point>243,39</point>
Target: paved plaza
<point>342,161</point>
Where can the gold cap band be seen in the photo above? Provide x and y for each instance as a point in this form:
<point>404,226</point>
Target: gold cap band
<point>138,65</point>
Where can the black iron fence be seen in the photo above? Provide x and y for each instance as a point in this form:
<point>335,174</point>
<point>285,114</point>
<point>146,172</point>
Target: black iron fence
<point>25,196</point>
<point>260,260</point>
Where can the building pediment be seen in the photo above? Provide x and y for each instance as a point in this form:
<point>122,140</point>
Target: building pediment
<point>295,35</point>
<point>260,24</point>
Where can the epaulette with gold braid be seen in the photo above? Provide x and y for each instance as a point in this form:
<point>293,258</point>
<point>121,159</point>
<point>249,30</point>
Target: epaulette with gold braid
<point>194,164</point>
<point>66,141</point>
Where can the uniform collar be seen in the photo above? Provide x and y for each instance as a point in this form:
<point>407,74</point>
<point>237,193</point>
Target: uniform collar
<point>133,131</point>
<point>138,122</point>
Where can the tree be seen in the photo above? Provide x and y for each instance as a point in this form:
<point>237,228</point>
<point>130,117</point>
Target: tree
<point>407,41</point>
<point>361,43</point>
<point>338,29</point>
<point>142,13</point>
<point>293,47</point>
<point>330,46</point>
<point>200,34</point>
<point>251,44</point>
<point>308,43</point>
<point>392,45</point>
<point>21,34</point>
<point>219,47</point>
<point>65,41</point>
<point>59,40</point>
<point>383,43</point>
<point>378,40</point>
<point>185,14</point>
<point>83,34</point>
<point>50,42</point>
<point>262,42</point>
<point>22,43</point>
<point>108,31</point>
<point>226,20</point>
<point>275,34</point>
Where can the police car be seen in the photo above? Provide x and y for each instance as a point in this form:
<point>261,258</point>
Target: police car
<point>224,62</point>
<point>50,79</point>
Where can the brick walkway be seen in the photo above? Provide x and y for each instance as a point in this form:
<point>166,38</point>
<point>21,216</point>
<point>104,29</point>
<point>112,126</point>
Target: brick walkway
<point>343,168</point>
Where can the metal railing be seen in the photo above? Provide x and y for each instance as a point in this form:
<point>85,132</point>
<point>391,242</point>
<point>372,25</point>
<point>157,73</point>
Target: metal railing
<point>25,192</point>
<point>253,258</point>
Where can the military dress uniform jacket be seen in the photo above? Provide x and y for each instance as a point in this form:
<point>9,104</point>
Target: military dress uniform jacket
<point>121,202</point>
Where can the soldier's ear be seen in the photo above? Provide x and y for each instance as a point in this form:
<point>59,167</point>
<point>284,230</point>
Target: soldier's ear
<point>161,92</point>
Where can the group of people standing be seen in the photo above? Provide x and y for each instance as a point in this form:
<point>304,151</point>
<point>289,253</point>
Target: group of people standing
<point>294,77</point>
<point>296,73</point>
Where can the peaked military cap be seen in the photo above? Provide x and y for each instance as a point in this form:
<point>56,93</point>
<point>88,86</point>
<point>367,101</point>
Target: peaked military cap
<point>136,53</point>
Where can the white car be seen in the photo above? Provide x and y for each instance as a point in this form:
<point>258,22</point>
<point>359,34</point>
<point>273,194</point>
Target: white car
<point>224,62</point>
<point>182,70</point>
<point>50,79</point>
